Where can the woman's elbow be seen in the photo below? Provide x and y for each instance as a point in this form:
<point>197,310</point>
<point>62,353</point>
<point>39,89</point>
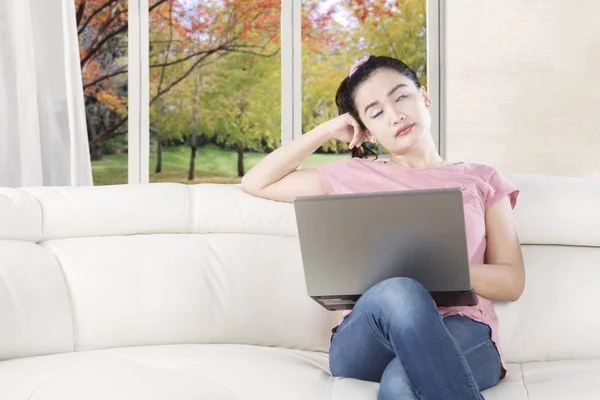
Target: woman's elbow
<point>518,286</point>
<point>250,186</point>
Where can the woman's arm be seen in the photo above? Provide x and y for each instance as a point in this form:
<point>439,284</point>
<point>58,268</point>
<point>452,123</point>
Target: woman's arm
<point>502,277</point>
<point>276,176</point>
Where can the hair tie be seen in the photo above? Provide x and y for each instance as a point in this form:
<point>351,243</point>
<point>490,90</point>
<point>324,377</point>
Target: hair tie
<point>358,64</point>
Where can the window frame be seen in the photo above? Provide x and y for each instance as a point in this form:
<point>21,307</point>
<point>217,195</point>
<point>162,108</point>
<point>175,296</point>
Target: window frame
<point>138,101</point>
<point>138,154</point>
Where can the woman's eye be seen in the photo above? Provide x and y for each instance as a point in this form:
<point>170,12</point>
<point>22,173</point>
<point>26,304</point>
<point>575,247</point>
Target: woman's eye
<point>400,97</point>
<point>377,114</point>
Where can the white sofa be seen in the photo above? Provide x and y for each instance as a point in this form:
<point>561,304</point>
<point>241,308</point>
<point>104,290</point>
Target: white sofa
<point>167,291</point>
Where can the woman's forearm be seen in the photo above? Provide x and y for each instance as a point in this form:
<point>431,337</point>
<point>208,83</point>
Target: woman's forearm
<point>498,282</point>
<point>286,159</point>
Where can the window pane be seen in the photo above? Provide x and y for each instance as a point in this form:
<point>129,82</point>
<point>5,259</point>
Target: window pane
<point>102,30</point>
<point>340,33</point>
<point>215,91</point>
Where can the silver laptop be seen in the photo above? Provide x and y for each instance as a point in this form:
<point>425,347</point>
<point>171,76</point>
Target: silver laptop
<point>351,242</point>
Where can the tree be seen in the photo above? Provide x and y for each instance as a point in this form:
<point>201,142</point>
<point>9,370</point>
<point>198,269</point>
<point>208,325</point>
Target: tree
<point>394,28</point>
<point>323,66</point>
<point>198,33</point>
<point>358,28</point>
<point>221,101</point>
<point>245,97</point>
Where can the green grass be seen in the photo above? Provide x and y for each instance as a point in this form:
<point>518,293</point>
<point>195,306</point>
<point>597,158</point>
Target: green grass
<point>213,165</point>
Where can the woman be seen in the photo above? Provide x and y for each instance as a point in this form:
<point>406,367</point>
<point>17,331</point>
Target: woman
<point>395,334</point>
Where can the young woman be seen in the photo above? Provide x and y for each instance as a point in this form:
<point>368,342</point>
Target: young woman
<point>395,334</point>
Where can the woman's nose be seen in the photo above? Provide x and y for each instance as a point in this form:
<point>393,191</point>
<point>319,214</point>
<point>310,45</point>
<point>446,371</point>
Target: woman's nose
<point>397,117</point>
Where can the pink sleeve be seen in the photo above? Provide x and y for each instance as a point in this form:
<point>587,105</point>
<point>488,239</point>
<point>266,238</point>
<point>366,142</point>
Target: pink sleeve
<point>501,186</point>
<point>331,175</point>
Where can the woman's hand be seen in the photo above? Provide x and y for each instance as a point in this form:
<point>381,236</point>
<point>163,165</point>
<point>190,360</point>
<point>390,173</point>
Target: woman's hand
<point>346,129</point>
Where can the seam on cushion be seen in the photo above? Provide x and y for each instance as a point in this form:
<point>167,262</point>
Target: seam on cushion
<point>175,369</point>
<point>192,209</point>
<point>523,381</point>
<point>329,390</point>
<point>69,297</point>
<point>308,360</point>
<point>37,389</point>
<point>41,216</point>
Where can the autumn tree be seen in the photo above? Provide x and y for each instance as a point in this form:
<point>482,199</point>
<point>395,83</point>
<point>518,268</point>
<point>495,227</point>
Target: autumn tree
<point>395,28</point>
<point>323,62</point>
<point>188,35</point>
<point>362,27</point>
<point>260,35</point>
<point>236,99</point>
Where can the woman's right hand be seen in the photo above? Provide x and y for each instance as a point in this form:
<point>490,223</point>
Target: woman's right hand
<point>345,128</point>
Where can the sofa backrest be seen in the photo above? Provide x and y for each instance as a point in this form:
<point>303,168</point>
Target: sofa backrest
<point>558,220</point>
<point>97,267</point>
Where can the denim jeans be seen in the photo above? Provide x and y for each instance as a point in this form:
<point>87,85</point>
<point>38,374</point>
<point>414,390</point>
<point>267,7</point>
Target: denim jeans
<point>396,336</point>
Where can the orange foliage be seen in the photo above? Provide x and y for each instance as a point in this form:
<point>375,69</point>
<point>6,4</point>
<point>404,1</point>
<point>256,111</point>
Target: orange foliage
<point>111,100</point>
<point>362,9</point>
<point>187,29</point>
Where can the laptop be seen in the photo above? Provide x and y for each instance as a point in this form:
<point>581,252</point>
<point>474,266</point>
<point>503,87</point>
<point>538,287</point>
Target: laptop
<point>350,242</point>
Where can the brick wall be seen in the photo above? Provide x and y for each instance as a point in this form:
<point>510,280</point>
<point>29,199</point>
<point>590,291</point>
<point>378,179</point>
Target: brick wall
<point>523,85</point>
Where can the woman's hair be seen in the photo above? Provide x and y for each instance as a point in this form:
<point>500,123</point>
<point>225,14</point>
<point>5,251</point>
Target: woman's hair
<point>344,97</point>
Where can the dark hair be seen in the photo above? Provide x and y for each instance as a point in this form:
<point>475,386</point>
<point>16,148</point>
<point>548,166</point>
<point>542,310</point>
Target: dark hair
<point>344,97</point>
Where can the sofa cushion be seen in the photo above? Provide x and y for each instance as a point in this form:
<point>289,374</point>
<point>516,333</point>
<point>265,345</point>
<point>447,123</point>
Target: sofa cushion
<point>190,288</point>
<point>556,317</point>
<point>552,380</point>
<point>511,387</point>
<point>557,210</point>
<point>35,314</point>
<point>228,209</point>
<point>70,212</point>
<point>215,372</point>
<point>577,379</point>
<point>242,372</point>
<point>20,215</point>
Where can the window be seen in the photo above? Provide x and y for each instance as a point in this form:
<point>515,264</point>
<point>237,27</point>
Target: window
<point>102,31</point>
<point>340,33</point>
<point>209,73</point>
<point>215,88</point>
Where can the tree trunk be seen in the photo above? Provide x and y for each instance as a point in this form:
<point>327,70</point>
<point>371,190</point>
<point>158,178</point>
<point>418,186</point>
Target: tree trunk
<point>96,152</point>
<point>193,136</point>
<point>192,171</point>
<point>158,168</point>
<point>240,160</point>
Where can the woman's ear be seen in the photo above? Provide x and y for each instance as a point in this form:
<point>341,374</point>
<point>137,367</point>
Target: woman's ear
<point>370,138</point>
<point>426,98</point>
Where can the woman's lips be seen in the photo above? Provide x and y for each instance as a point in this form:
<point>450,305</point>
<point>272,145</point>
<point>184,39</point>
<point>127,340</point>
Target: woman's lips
<point>405,130</point>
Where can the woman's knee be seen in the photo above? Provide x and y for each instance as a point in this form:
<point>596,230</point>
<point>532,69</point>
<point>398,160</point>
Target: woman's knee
<point>397,294</point>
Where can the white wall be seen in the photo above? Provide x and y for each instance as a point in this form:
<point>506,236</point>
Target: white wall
<point>523,85</point>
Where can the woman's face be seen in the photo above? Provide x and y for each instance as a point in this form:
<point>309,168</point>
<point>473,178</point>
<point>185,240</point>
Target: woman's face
<point>393,110</point>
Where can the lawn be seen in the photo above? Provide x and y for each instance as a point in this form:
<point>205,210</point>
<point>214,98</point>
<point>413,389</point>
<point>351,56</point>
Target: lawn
<point>213,165</point>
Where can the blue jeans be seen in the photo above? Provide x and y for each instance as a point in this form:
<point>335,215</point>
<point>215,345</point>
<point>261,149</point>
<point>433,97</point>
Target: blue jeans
<point>396,336</point>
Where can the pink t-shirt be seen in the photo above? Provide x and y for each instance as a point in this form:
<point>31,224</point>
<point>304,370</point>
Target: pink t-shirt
<point>482,186</point>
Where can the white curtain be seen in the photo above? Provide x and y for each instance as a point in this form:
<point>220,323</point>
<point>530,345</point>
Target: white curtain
<point>43,133</point>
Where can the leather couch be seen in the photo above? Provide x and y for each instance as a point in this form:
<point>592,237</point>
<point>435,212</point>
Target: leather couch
<point>168,291</point>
